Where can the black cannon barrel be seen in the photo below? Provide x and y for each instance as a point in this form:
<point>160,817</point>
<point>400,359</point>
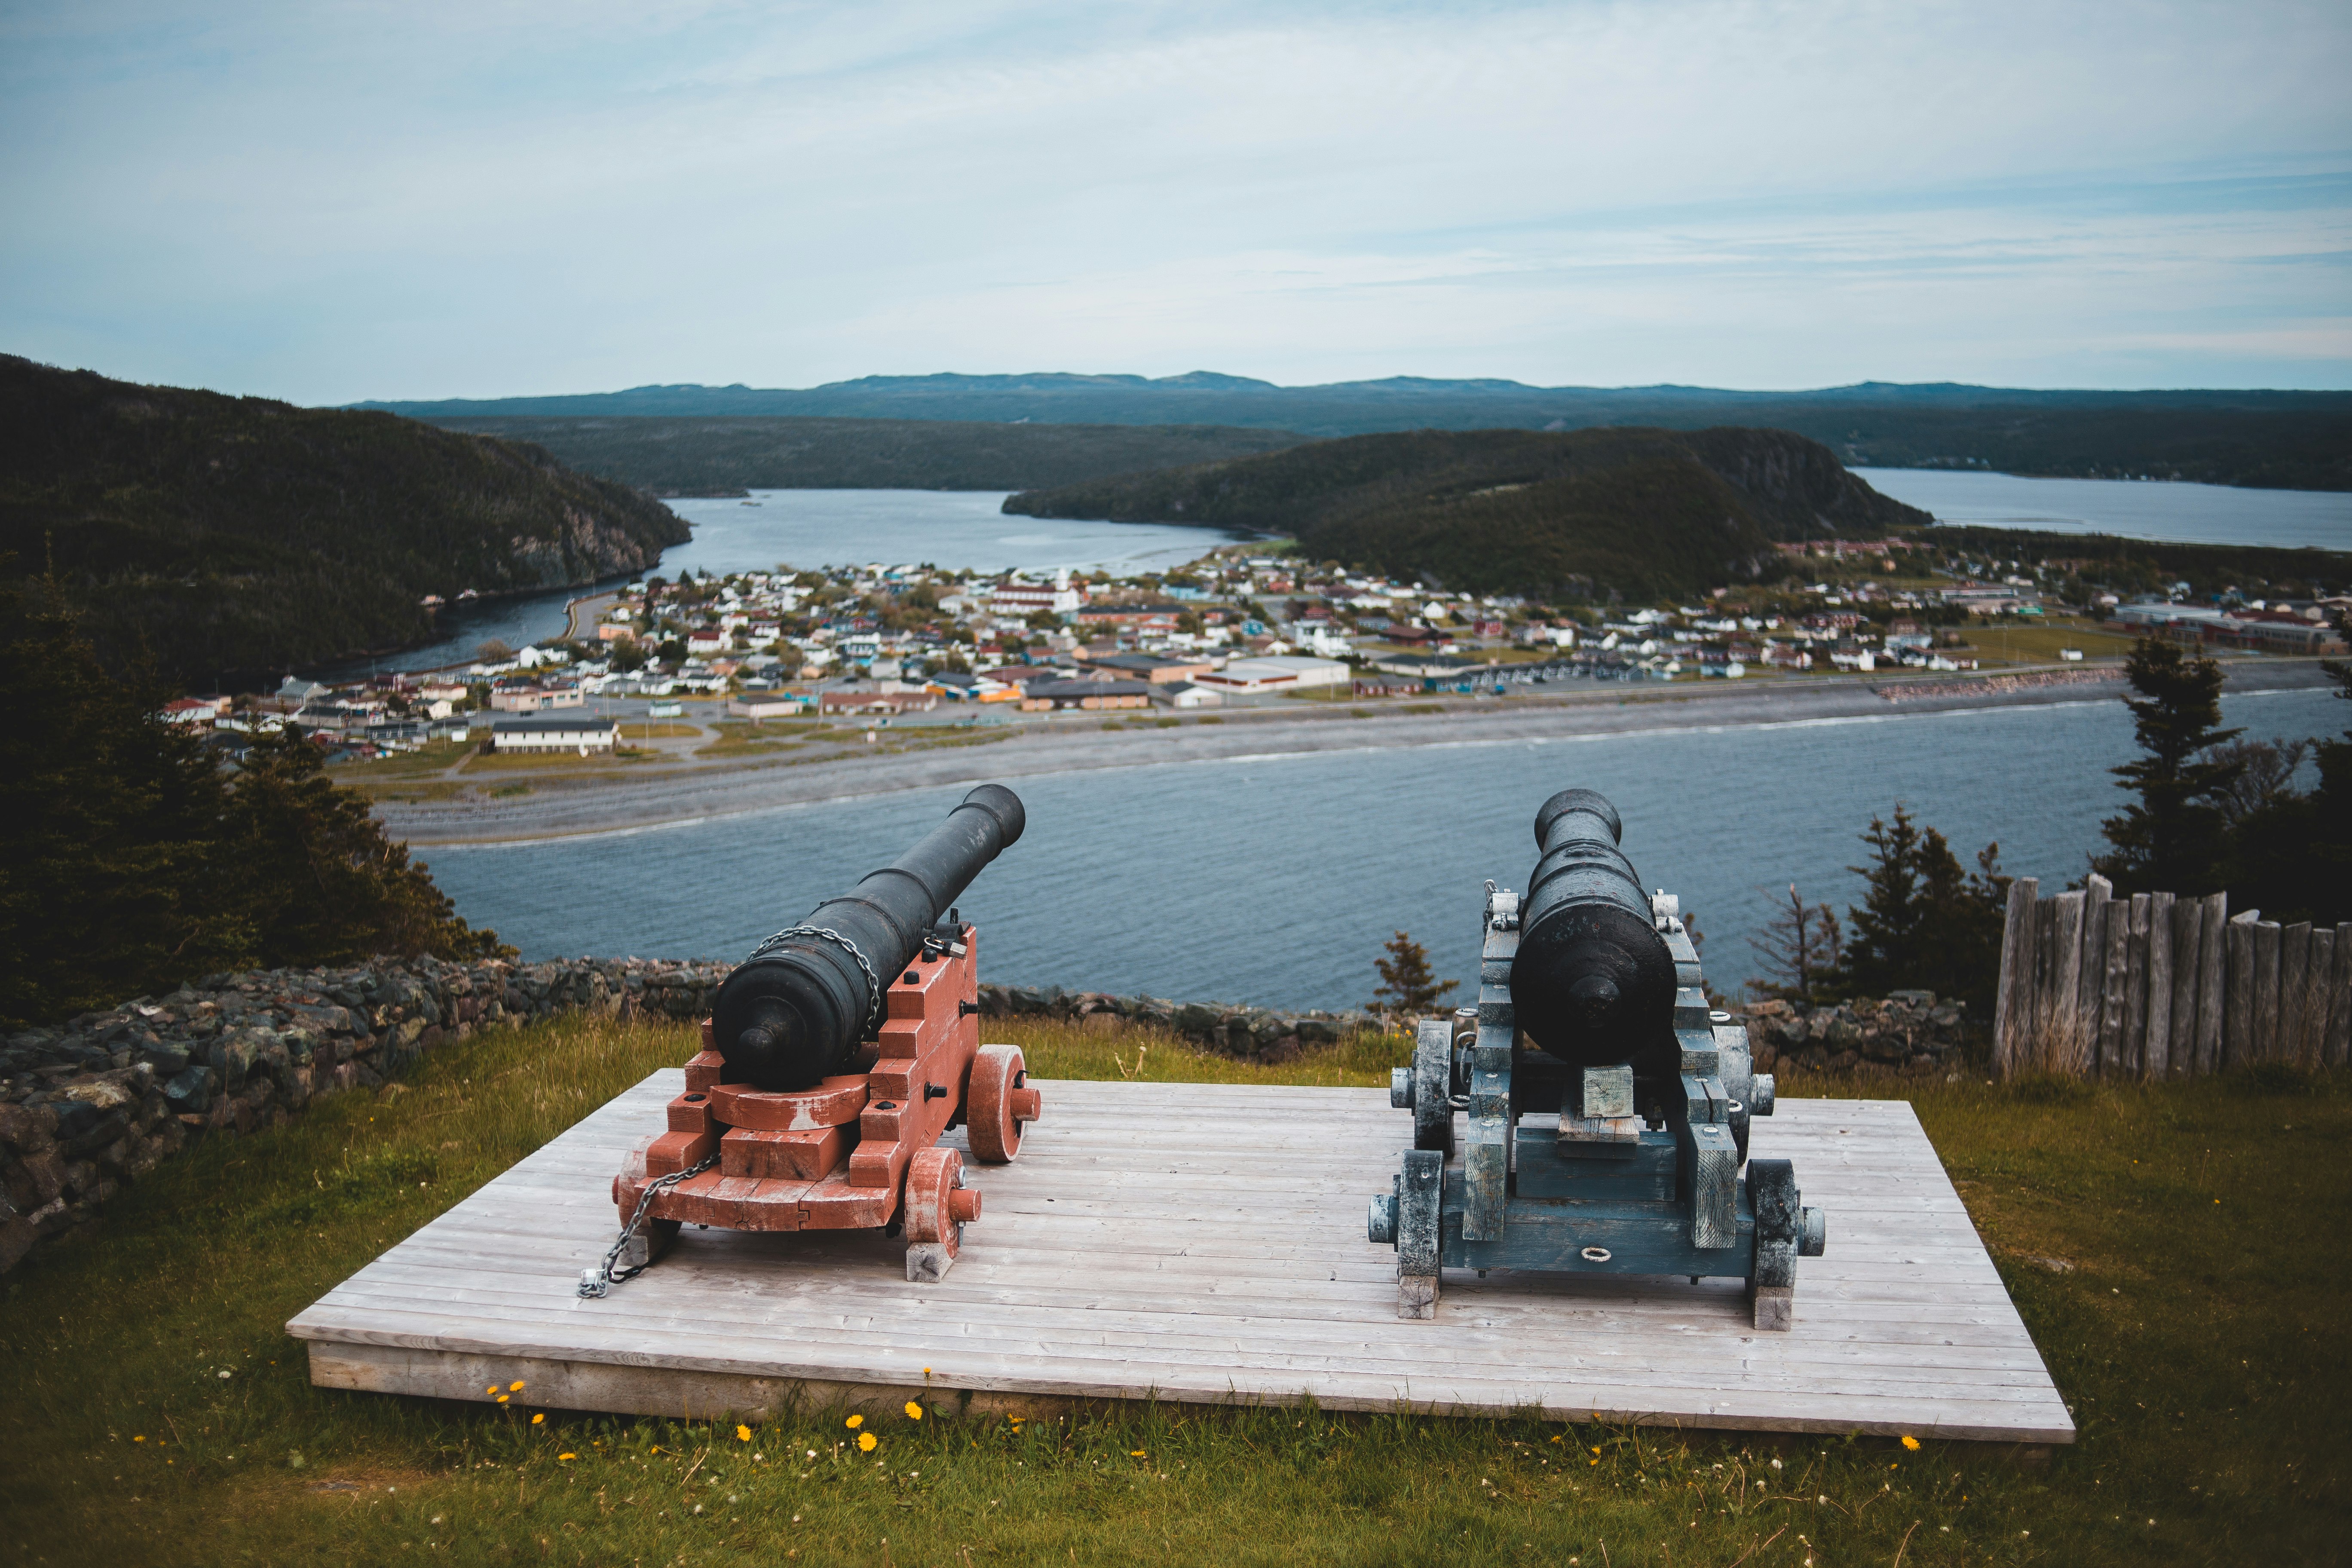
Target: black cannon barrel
<point>1593,983</point>
<point>795,1010</point>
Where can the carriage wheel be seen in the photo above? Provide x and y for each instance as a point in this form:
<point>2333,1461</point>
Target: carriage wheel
<point>937,1208</point>
<point>998,1100</point>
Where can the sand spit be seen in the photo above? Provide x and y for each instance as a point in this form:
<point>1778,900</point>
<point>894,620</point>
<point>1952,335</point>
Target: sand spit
<point>558,808</point>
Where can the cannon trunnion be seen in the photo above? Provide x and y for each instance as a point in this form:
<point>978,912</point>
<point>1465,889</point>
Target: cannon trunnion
<point>835,1058</point>
<point>1604,1107</point>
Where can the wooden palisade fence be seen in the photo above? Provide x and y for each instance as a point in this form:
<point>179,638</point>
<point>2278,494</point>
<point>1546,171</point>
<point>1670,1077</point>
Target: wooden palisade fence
<point>2158,986</point>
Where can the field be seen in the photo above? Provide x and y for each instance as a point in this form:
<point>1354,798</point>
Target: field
<point>2169,1247</point>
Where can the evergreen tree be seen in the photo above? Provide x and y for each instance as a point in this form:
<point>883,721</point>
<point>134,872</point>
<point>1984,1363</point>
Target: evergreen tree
<point>1800,948</point>
<point>1406,985</point>
<point>129,860</point>
<point>2173,836</point>
<point>106,817</point>
<point>321,880</point>
<point>1925,922</point>
<point>2290,853</point>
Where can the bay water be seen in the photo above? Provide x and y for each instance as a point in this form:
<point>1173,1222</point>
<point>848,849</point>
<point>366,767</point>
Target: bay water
<point>1275,879</point>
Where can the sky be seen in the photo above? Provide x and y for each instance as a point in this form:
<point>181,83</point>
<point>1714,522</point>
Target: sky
<point>328,201</point>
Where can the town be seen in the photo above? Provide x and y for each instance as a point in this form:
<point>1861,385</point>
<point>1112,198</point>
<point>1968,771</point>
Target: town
<point>876,645</point>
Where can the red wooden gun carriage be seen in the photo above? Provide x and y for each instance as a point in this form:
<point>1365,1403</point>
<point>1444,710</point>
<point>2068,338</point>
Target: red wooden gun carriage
<point>821,1091</point>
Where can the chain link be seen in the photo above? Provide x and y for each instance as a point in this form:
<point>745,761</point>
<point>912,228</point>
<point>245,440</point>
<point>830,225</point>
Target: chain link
<point>872,981</point>
<point>595,1282</point>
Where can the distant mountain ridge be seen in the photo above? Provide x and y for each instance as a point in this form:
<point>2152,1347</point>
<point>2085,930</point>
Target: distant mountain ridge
<point>724,454</point>
<point>2278,439</point>
<point>237,536</point>
<point>1641,512</point>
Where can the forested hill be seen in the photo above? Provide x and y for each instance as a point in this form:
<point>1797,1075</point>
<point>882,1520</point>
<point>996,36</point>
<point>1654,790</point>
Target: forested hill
<point>724,454</point>
<point>2294,441</point>
<point>239,536</point>
<point>1642,513</point>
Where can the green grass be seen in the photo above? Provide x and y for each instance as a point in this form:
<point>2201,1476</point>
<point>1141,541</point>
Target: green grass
<point>2196,1332</point>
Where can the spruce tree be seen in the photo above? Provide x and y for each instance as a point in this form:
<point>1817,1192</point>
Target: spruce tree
<point>2173,836</point>
<point>1406,985</point>
<point>1925,923</point>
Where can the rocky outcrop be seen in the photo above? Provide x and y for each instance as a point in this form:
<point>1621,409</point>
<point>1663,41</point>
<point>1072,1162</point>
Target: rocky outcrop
<point>97,1103</point>
<point>1908,1032</point>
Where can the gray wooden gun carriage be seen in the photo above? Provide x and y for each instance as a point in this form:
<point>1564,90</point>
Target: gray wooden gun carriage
<point>1607,1106</point>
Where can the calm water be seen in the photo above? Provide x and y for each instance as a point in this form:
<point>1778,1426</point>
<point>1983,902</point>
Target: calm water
<point>2207,514</point>
<point>954,529</point>
<point>1275,880</point>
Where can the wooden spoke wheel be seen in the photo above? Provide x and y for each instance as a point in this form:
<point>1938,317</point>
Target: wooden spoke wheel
<point>998,1100</point>
<point>939,1205</point>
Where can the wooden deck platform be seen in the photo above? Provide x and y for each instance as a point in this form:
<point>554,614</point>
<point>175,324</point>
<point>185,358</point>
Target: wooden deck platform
<point>1198,1243</point>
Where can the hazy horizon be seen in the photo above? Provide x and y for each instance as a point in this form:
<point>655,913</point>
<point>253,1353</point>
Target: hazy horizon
<point>514,198</point>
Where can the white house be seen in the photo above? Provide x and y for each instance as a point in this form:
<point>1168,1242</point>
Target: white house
<point>580,734</point>
<point>1282,674</point>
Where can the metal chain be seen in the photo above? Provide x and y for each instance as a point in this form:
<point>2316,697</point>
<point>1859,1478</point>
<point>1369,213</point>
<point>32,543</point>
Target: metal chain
<point>872,981</point>
<point>595,1282</point>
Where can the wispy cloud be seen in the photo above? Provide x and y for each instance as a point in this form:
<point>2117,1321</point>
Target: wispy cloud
<point>404,200</point>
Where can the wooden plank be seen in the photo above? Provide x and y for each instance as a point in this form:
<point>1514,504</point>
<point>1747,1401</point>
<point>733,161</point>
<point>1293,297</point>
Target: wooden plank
<point>2238,1043</point>
<point>2045,980</point>
<point>1104,1269</point>
<point>2212,967</point>
<point>2013,1000</point>
<point>2155,1037</point>
<point>2134,1037</point>
<point>2115,1004</point>
<point>2063,1041</point>
<point>2092,980</point>
<point>2265,1038</point>
<point>2181,1038</point>
<point>2318,972</point>
<point>2295,972</point>
<point>2339,1001</point>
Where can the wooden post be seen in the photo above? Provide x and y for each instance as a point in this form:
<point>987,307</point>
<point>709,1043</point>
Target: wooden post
<point>2211,965</point>
<point>2238,1047</point>
<point>2295,972</point>
<point>2339,1001</point>
<point>2045,981</point>
<point>2156,1054</point>
<point>2091,984</point>
<point>2265,1041</point>
<point>2061,1043</point>
<point>2013,1003</point>
<point>2113,988</point>
<point>2180,1040</point>
<point>2135,991</point>
<point>2315,1000</point>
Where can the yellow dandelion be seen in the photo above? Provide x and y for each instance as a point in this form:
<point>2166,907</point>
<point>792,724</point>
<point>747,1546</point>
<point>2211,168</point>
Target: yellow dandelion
<point>1135,1453</point>
<point>914,1411</point>
<point>504,1397</point>
<point>493,1389</point>
<point>1910,1442</point>
<point>865,1441</point>
<point>562,1456</point>
<point>742,1434</point>
<point>854,1421</point>
<point>536,1420</point>
<point>515,1387</point>
<point>142,1438</point>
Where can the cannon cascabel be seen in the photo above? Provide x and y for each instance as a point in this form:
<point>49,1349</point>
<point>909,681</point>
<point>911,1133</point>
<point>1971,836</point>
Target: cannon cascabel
<point>795,1010</point>
<point>1593,983</point>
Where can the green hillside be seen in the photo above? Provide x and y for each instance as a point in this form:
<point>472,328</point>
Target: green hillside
<point>1642,513</point>
<point>683,456</point>
<point>226,537</point>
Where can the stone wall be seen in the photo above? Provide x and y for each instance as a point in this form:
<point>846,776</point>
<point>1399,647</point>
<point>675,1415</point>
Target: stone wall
<point>96,1103</point>
<point>1908,1032</point>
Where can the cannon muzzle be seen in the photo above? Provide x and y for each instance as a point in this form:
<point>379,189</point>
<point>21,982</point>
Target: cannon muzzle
<point>1593,983</point>
<point>795,1010</point>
